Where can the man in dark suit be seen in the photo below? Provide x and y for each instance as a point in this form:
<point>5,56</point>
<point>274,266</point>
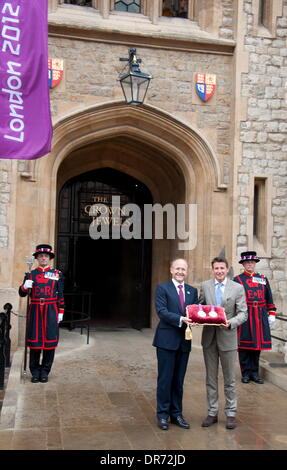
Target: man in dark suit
<point>173,349</point>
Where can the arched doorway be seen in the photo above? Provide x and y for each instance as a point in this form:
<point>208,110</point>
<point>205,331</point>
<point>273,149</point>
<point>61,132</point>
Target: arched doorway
<point>170,156</point>
<point>115,274</point>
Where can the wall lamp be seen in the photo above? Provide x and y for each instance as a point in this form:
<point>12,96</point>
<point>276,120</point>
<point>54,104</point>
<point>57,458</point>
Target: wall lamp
<point>134,83</point>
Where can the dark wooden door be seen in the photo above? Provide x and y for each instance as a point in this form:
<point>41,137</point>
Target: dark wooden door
<point>115,272</point>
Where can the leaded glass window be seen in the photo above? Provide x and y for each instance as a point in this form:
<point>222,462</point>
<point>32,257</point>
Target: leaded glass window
<point>133,6</point>
<point>177,8</point>
<point>84,3</point>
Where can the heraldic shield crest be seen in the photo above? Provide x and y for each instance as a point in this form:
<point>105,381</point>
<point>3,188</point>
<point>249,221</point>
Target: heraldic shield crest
<point>205,85</point>
<point>55,71</point>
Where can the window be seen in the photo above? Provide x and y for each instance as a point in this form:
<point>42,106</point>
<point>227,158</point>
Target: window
<point>84,3</point>
<point>133,6</point>
<point>262,12</point>
<point>266,13</point>
<point>153,9</point>
<point>177,8</point>
<point>258,208</point>
<point>262,220</point>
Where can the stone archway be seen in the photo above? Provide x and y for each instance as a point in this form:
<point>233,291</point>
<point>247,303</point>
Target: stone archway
<point>148,165</point>
<point>169,156</point>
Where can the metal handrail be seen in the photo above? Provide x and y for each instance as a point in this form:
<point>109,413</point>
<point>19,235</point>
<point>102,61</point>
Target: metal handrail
<point>84,315</point>
<point>84,318</point>
<point>280,317</point>
<point>5,342</point>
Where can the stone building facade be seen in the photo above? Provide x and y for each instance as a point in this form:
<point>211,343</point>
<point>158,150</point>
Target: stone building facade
<point>226,155</point>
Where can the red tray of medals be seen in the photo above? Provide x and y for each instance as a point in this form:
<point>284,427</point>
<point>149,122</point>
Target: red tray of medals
<point>206,315</point>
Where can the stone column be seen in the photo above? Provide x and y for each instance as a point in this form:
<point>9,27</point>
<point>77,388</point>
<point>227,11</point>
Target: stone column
<point>154,11</point>
<point>104,7</point>
<point>210,15</point>
<point>52,5</point>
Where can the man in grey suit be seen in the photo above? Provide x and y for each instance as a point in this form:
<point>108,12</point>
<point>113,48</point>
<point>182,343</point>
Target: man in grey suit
<point>220,342</point>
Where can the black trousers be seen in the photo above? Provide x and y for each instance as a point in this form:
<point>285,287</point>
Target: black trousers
<point>44,368</point>
<point>171,372</point>
<point>249,362</point>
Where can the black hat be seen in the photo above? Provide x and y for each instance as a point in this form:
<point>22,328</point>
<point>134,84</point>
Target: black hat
<point>44,249</point>
<point>249,256</point>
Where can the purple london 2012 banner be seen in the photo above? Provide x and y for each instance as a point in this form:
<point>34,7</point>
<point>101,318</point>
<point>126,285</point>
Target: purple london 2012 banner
<point>25,118</point>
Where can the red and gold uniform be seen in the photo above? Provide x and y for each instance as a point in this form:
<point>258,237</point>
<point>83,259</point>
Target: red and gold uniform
<point>45,286</point>
<point>254,335</point>
<point>255,332</point>
<point>46,303</point>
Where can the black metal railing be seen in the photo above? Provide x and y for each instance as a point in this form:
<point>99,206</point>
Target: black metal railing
<point>5,342</point>
<point>279,364</point>
<point>78,311</point>
<point>279,317</point>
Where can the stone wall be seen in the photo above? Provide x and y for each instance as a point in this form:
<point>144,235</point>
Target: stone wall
<point>264,145</point>
<point>226,29</point>
<point>5,189</point>
<point>92,69</point>
<point>7,293</point>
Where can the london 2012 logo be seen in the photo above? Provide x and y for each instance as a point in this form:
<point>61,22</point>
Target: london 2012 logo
<point>205,84</point>
<point>55,71</point>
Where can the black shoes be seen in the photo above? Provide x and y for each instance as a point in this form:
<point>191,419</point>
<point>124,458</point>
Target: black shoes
<point>44,378</point>
<point>35,379</point>
<point>245,379</point>
<point>179,421</point>
<point>257,379</point>
<point>163,424</point>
